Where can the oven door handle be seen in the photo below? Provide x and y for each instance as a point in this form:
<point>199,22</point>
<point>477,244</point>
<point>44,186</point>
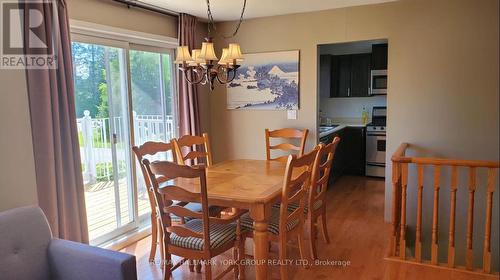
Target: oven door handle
<point>375,134</point>
<point>375,164</point>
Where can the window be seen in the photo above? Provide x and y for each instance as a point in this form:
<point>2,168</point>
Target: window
<point>125,96</point>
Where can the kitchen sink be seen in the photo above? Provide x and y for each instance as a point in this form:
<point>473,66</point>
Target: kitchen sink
<point>324,128</point>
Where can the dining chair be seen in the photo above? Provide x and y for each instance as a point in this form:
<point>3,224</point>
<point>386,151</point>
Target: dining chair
<point>316,204</point>
<point>288,134</point>
<point>187,148</point>
<point>150,149</point>
<point>317,194</point>
<point>284,224</point>
<point>202,237</point>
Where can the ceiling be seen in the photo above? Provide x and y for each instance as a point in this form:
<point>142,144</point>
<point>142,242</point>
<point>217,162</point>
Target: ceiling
<point>224,10</point>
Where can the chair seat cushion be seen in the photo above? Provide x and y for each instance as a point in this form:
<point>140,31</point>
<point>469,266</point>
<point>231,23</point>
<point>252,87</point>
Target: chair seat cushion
<point>219,235</point>
<point>213,211</point>
<point>272,225</point>
<point>295,205</point>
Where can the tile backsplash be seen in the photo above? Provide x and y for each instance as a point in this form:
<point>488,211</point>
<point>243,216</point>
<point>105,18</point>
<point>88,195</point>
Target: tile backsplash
<point>350,107</point>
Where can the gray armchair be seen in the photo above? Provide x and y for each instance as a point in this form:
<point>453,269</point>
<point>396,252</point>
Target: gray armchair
<point>28,251</point>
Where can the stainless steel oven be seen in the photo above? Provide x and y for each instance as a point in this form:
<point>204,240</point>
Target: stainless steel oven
<point>375,152</point>
<point>376,143</point>
<point>378,82</point>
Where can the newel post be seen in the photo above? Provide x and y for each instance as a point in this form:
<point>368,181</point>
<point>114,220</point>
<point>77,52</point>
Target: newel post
<point>395,209</point>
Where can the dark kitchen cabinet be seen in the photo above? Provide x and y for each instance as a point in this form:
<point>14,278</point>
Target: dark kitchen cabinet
<point>379,57</point>
<point>353,150</point>
<point>344,78</point>
<point>325,75</point>
<point>337,165</point>
<point>349,157</point>
<point>334,76</point>
<point>350,75</point>
<point>360,75</point>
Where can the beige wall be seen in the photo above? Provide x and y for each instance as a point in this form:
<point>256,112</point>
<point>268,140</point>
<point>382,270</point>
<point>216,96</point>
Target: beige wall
<point>443,74</point>
<point>443,80</point>
<point>17,168</point>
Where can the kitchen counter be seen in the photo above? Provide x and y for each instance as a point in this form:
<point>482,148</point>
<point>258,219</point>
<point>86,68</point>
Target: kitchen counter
<point>341,124</point>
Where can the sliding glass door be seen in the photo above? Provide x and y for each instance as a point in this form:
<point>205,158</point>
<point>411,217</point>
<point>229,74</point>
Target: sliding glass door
<point>124,97</point>
<point>152,105</point>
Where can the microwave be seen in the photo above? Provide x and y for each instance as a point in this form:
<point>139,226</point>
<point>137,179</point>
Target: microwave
<point>378,82</point>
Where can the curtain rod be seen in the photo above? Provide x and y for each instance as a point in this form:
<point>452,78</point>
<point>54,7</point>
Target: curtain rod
<point>148,7</point>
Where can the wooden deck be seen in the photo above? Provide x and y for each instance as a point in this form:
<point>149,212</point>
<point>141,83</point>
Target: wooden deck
<point>100,204</point>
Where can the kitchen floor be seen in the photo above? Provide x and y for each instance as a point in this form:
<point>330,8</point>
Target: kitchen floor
<point>359,239</point>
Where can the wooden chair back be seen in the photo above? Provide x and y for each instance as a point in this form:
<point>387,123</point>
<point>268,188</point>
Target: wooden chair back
<point>321,172</point>
<point>296,185</point>
<point>164,172</point>
<point>286,133</point>
<point>187,148</point>
<point>150,149</point>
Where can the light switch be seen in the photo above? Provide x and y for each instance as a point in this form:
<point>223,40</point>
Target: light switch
<point>292,114</point>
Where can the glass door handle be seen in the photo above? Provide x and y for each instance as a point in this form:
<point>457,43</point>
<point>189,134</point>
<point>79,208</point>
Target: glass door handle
<point>115,138</point>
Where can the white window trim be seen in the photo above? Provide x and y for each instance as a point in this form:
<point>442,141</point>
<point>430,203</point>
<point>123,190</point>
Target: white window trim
<point>120,34</point>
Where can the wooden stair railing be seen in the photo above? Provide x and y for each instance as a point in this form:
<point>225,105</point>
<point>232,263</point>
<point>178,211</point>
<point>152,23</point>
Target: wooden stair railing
<point>398,246</point>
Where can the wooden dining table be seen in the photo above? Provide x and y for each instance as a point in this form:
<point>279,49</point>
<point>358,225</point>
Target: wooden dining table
<point>254,185</point>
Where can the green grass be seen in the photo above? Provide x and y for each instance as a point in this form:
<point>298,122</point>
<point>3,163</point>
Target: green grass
<point>97,142</point>
<point>107,168</point>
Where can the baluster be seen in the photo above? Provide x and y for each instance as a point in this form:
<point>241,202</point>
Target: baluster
<point>487,224</point>
<point>404,185</point>
<point>395,199</point>
<point>418,239</point>
<point>470,218</point>
<point>435,215</point>
<point>451,232</point>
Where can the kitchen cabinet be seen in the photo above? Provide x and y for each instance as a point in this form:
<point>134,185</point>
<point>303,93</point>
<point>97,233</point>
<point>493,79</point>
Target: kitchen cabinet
<point>360,75</point>
<point>379,57</point>
<point>353,150</point>
<point>337,165</point>
<point>341,76</point>
<point>325,70</point>
<point>350,75</point>
<point>349,158</point>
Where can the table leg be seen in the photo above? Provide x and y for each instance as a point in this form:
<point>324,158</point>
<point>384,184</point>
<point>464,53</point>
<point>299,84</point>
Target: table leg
<point>261,243</point>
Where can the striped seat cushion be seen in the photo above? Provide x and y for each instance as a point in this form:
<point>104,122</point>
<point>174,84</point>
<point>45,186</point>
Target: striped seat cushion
<point>273,223</point>
<point>219,235</point>
<point>213,211</point>
<point>295,205</point>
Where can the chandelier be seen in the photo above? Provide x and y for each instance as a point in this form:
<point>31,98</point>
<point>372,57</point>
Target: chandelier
<point>202,66</point>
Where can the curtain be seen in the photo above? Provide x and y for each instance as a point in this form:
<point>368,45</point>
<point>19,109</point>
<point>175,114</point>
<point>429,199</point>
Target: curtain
<point>189,117</point>
<point>53,121</point>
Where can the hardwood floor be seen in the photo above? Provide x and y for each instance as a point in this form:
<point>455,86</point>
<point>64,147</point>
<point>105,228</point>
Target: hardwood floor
<point>359,239</point>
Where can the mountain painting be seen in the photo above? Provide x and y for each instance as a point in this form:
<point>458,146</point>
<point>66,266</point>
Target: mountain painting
<point>266,81</point>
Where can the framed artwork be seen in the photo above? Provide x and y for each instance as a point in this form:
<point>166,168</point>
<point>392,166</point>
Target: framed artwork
<point>266,81</point>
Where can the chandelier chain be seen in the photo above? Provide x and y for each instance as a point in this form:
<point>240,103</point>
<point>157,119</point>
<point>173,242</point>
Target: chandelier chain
<point>211,19</point>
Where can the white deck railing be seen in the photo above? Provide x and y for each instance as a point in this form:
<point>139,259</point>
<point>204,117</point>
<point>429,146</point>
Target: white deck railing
<point>97,134</point>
